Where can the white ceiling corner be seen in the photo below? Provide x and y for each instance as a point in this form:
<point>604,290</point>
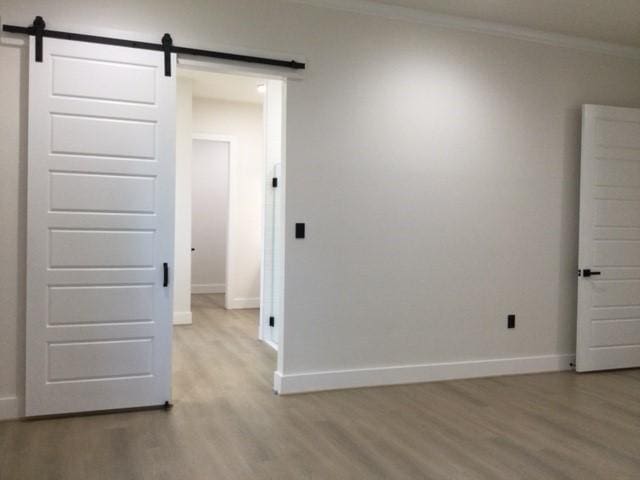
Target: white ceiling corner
<point>602,26</point>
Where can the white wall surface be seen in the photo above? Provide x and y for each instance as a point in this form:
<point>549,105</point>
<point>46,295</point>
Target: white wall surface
<point>182,262</point>
<point>209,204</point>
<point>243,121</point>
<point>436,169</point>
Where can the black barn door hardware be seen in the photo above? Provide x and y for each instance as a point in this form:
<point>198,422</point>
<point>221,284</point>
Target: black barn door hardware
<point>38,29</point>
<point>167,43</point>
<point>165,274</point>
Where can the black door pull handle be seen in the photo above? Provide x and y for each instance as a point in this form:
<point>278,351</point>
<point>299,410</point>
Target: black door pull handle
<point>165,269</point>
<point>587,272</point>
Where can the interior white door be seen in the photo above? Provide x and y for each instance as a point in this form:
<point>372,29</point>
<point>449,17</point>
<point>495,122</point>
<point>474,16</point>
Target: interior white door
<point>210,213</point>
<point>272,258</point>
<point>277,271</point>
<point>100,228</point>
<point>609,258</point>
<point>272,284</point>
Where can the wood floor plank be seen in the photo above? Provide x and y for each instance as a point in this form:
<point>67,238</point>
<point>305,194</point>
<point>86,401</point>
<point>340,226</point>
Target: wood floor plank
<point>227,424</point>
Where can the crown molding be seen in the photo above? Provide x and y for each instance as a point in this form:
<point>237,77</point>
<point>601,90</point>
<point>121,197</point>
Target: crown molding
<point>395,12</point>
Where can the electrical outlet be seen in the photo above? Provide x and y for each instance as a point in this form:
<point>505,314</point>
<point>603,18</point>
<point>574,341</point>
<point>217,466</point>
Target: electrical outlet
<point>511,321</point>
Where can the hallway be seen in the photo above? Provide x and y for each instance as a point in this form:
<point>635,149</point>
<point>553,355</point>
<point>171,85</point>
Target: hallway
<point>220,351</point>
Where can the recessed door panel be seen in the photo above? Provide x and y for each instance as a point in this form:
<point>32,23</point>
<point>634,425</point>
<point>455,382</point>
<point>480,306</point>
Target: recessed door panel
<point>96,360</point>
<point>84,192</point>
<point>100,304</point>
<point>101,249</point>
<point>100,80</point>
<point>103,136</point>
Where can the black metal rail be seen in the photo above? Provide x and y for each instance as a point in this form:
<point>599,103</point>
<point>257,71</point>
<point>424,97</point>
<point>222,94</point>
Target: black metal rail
<point>38,29</point>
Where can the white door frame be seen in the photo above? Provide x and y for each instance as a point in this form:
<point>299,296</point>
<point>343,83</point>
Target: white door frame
<point>267,72</point>
<point>232,179</point>
<point>271,268</point>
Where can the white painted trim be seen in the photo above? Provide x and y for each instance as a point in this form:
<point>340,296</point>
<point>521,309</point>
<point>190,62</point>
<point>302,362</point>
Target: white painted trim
<point>370,377</point>
<point>182,318</point>
<point>274,102</point>
<point>283,226</point>
<point>270,343</point>
<point>246,69</point>
<point>415,15</point>
<point>208,288</point>
<point>213,137</point>
<point>9,408</point>
<point>239,303</point>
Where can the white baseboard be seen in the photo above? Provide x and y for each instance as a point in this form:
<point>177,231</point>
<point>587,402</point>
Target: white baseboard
<point>237,303</point>
<point>182,318</point>
<point>9,408</point>
<point>370,377</point>
<point>208,288</point>
<point>272,344</point>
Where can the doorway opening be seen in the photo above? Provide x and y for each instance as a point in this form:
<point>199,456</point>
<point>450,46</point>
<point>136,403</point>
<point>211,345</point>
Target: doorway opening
<point>229,248</point>
<point>105,253</point>
<point>211,162</point>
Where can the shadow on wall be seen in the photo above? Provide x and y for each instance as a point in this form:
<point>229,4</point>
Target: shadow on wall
<point>570,204</point>
<point>18,173</point>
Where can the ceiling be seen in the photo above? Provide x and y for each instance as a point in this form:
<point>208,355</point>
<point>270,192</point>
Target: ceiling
<point>220,86</point>
<point>615,21</point>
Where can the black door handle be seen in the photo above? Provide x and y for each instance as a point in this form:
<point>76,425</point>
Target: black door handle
<point>165,270</point>
<point>588,272</point>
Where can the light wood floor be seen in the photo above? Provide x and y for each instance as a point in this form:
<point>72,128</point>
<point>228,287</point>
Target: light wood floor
<point>227,424</point>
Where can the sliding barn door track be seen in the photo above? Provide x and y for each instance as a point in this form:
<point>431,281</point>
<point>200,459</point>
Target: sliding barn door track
<point>38,29</point>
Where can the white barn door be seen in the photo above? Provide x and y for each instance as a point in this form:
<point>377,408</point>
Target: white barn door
<point>100,228</point>
<point>609,259</point>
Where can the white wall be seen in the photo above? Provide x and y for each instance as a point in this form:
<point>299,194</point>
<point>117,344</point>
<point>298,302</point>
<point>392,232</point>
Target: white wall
<point>209,205</point>
<point>182,262</point>
<point>436,170</point>
<point>243,121</point>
